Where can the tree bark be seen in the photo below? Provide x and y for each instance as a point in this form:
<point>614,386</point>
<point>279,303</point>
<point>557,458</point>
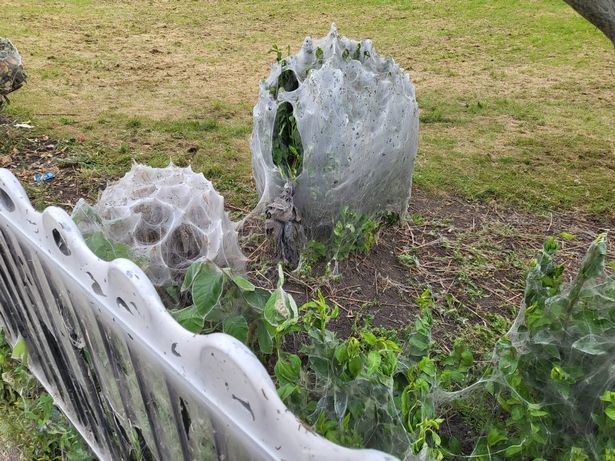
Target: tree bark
<point>601,13</point>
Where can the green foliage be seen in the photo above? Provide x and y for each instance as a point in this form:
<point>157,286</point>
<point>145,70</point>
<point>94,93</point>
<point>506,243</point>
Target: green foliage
<point>352,233</point>
<point>343,388</point>
<point>553,380</point>
<point>223,301</point>
<point>547,395</point>
<point>106,249</point>
<point>319,55</point>
<point>51,436</point>
<point>278,52</point>
<point>368,390</point>
<point>409,260</point>
<point>346,389</point>
<point>287,148</point>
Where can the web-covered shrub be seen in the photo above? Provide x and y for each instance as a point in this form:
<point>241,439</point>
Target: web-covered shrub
<point>342,123</point>
<point>12,75</point>
<point>169,217</point>
<point>547,394</point>
<point>559,365</point>
<point>553,375</point>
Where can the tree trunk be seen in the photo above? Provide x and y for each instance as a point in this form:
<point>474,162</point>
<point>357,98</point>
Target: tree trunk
<point>601,13</point>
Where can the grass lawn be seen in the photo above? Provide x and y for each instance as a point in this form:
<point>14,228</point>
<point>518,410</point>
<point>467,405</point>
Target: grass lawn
<point>517,97</point>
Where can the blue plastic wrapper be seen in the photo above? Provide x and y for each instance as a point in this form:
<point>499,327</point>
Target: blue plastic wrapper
<point>44,177</point>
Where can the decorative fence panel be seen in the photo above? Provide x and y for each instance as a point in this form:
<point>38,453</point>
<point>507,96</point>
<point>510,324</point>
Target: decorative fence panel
<point>133,382</point>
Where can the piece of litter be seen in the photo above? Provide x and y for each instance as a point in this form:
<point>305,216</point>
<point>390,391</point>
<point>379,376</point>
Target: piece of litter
<point>44,177</point>
<point>23,125</point>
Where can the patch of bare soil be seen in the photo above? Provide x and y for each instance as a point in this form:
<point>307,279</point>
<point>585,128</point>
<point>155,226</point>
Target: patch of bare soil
<point>471,256</point>
<point>28,155</point>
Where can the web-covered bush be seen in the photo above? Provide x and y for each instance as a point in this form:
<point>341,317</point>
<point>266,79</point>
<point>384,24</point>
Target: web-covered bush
<point>12,75</point>
<point>553,375</point>
<point>342,123</point>
<point>169,217</point>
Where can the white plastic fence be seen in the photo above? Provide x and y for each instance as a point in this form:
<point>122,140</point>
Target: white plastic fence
<point>133,382</point>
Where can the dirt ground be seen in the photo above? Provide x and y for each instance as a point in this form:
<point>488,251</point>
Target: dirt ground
<point>32,155</point>
<point>471,256</point>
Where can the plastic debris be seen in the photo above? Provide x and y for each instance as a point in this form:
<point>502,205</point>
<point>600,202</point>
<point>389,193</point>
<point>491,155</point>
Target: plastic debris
<point>44,177</point>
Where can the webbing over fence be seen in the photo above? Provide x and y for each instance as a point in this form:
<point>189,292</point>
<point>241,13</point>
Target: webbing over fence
<point>133,382</point>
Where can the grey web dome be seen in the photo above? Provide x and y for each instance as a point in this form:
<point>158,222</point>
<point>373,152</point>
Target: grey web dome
<point>169,216</point>
<point>12,75</point>
<point>357,117</point>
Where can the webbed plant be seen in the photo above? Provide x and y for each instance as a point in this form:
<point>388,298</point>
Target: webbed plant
<point>168,217</point>
<point>341,123</point>
<point>12,75</point>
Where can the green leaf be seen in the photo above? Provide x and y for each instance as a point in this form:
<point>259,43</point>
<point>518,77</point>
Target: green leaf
<point>608,396</point>
<point>237,327</point>
<point>20,351</point>
<point>320,366</point>
<point>513,450</point>
<point>593,262</point>
<point>373,362</point>
<point>265,342</point>
<point>288,368</point>
<point>191,273</point>
<point>355,365</point>
<point>257,299</point>
<point>287,390</point>
<point>190,318</point>
<point>207,287</point>
<point>593,345</point>
<point>280,310</point>
<point>551,246</point>
<point>576,454</point>
<point>418,342</point>
<point>341,353</point>
<point>275,310</point>
<point>369,338</point>
<point>567,236</point>
<point>243,283</point>
<point>508,360</point>
<point>535,411</point>
<point>436,438</point>
<point>610,412</point>
<point>106,249</point>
